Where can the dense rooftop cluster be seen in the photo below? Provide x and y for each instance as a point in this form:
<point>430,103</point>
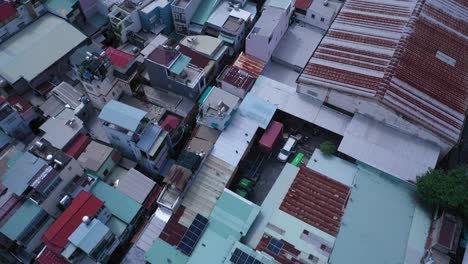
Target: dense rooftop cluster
<point>189,131</point>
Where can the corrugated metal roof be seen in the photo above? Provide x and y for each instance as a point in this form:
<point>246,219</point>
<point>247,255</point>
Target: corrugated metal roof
<point>35,48</point>
<point>317,200</point>
<point>204,11</point>
<point>119,204</point>
<point>21,219</point>
<point>88,236</point>
<point>17,178</point>
<point>136,185</point>
<point>7,10</point>
<point>206,189</point>
<point>401,155</point>
<point>283,4</point>
<point>180,64</point>
<point>162,248</point>
<point>153,229</point>
<point>149,136</point>
<point>380,49</point>
<point>95,155</point>
<point>122,115</point>
<point>303,4</point>
<point>46,256</point>
<point>257,110</point>
<point>377,201</point>
<point>249,64</point>
<point>119,58</point>
<point>85,204</point>
<point>78,145</point>
<point>237,77</point>
<point>58,133</point>
<point>60,7</point>
<point>234,141</point>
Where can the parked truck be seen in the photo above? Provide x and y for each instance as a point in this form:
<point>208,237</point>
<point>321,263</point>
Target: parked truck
<point>270,137</point>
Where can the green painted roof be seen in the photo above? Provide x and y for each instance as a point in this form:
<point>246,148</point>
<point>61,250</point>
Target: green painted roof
<point>231,217</point>
<point>283,4</point>
<point>179,65</point>
<point>204,11</point>
<point>20,220</point>
<point>160,252</point>
<point>119,204</point>
<point>122,115</point>
<point>205,94</point>
<point>60,7</point>
<point>382,220</point>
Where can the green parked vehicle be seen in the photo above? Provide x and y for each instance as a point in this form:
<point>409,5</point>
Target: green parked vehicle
<point>297,160</point>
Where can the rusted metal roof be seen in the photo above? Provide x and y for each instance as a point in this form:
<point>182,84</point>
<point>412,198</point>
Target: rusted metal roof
<point>287,254</point>
<point>237,77</point>
<point>409,55</point>
<point>316,200</point>
<point>249,64</point>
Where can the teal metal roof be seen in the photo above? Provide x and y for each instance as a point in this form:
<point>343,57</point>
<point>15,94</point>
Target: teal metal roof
<point>35,48</point>
<point>381,215</point>
<point>204,11</point>
<point>119,204</point>
<point>160,252</point>
<point>283,4</point>
<point>21,219</point>
<point>231,217</point>
<point>205,94</point>
<point>60,7</point>
<point>179,65</point>
<point>4,139</point>
<point>88,236</point>
<point>226,39</point>
<point>22,171</point>
<point>257,110</point>
<point>117,226</point>
<point>122,115</point>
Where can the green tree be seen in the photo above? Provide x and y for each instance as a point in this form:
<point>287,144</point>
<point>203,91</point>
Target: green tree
<point>328,148</point>
<point>448,189</point>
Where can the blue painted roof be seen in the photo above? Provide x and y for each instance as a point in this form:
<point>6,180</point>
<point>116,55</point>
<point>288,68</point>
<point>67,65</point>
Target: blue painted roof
<point>149,135</point>
<point>122,115</point>
<point>17,178</point>
<point>382,220</point>
<point>257,110</point>
<point>88,236</point>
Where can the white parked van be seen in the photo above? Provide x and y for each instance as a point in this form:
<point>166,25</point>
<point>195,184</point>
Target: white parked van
<point>284,153</point>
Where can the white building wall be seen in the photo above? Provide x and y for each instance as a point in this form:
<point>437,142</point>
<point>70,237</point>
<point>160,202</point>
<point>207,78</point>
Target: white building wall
<point>319,17</point>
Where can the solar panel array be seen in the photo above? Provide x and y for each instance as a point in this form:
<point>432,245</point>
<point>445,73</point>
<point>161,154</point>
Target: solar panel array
<point>275,246</point>
<point>240,257</point>
<point>192,235</point>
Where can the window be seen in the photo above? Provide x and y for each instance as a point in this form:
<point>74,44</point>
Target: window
<point>106,172</point>
<point>269,39</point>
<point>312,16</point>
<point>322,19</point>
<point>113,94</point>
<point>275,246</point>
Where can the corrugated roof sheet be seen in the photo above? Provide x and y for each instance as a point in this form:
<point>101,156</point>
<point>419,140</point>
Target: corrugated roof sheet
<point>88,236</point>
<point>204,11</point>
<point>257,110</point>
<point>17,178</point>
<point>85,204</point>
<point>317,200</point>
<point>249,64</point>
<point>78,145</point>
<point>163,55</point>
<point>119,204</point>
<point>46,256</point>
<point>136,185</point>
<point>237,77</point>
<point>60,7</point>
<point>18,103</point>
<point>95,155</point>
<point>20,220</point>
<point>392,151</point>
<point>303,4</point>
<point>170,123</point>
<point>119,58</point>
<point>380,49</point>
<point>122,115</point>
<point>379,220</point>
<point>35,48</point>
<point>180,64</point>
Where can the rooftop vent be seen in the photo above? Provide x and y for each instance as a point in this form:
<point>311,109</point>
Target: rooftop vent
<point>86,220</point>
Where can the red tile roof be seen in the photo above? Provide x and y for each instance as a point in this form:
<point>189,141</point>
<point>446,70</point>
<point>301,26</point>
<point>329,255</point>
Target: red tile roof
<point>170,123</point>
<point>119,58</point>
<point>19,103</point>
<point>163,55</point>
<point>7,10</point>
<point>78,145</point>
<point>303,4</point>
<point>249,64</point>
<point>237,77</point>
<point>198,59</point>
<point>288,254</point>
<point>48,257</point>
<point>173,231</point>
<point>316,200</point>
<point>85,204</point>
<point>407,55</point>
